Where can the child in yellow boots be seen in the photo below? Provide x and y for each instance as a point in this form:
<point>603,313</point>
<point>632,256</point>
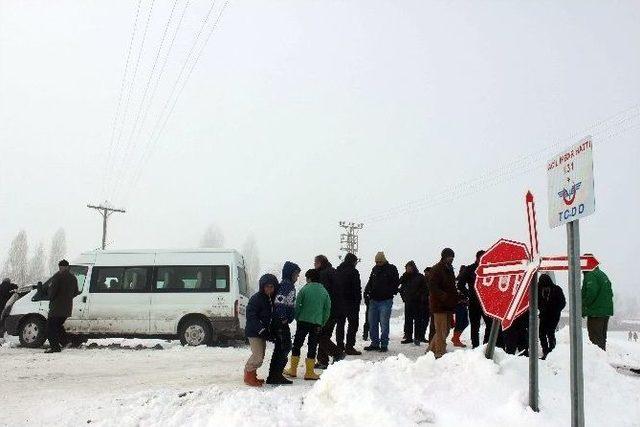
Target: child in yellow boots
<point>313,307</point>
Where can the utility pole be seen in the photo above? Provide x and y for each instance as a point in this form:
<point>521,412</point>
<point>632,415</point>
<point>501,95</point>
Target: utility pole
<point>105,211</point>
<point>349,239</point>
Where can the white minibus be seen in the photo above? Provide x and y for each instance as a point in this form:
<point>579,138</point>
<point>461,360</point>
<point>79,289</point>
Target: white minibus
<point>197,295</point>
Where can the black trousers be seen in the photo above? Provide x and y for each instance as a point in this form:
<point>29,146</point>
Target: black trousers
<point>304,330</point>
<point>475,316</point>
<point>352,319</point>
<point>414,321</point>
<point>547,331</point>
<point>56,333</point>
<point>597,328</point>
<point>326,346</point>
<point>282,341</point>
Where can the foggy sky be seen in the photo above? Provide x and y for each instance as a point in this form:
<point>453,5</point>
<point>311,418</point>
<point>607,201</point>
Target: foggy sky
<point>303,113</point>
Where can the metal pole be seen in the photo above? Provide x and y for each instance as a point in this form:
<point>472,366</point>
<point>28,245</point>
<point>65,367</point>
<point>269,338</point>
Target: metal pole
<point>493,337</point>
<point>104,230</point>
<point>534,397</point>
<point>575,324</point>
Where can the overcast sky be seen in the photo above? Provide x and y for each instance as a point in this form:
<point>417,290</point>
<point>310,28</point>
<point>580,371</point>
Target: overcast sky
<point>303,113</point>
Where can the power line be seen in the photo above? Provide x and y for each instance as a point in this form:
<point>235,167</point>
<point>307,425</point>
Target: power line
<point>131,86</point>
<point>154,140</point>
<point>618,119</point>
<point>119,105</point>
<point>131,142</point>
<point>472,186</point>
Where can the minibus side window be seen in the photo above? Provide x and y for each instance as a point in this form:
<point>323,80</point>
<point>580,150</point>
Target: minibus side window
<point>200,278</point>
<point>119,279</point>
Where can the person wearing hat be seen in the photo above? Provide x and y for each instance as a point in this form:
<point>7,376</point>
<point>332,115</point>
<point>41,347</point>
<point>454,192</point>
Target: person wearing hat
<point>597,305</point>
<point>381,288</point>
<point>443,297</point>
<point>62,289</point>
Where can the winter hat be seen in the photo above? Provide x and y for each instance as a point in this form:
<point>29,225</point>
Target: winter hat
<point>380,257</point>
<point>447,252</point>
<point>63,263</point>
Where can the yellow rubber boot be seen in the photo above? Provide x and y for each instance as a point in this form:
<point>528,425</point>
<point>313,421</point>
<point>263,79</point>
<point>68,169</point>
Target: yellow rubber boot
<point>310,373</point>
<point>293,368</point>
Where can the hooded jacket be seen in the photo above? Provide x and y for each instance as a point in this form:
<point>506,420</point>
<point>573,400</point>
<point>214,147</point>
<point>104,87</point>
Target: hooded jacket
<point>260,309</point>
<point>347,279</point>
<point>383,282</point>
<point>284,306</point>
<point>597,295</point>
<point>551,299</point>
<point>413,287</point>
<point>443,294</point>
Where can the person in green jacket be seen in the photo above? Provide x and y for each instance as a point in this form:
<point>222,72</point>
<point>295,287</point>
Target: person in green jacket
<point>597,305</point>
<point>313,307</point>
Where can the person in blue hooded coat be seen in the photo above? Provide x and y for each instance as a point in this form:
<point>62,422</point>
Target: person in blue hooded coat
<point>257,329</point>
<point>284,310</point>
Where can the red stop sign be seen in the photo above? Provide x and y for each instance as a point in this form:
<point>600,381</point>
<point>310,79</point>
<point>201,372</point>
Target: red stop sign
<point>502,282</point>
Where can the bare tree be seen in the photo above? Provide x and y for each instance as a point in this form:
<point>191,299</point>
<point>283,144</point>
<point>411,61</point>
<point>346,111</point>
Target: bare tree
<point>58,250</point>
<point>37,268</point>
<point>212,237</point>
<point>16,265</point>
<point>251,260</point>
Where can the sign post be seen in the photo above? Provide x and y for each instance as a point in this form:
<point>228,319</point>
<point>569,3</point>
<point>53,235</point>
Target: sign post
<point>571,197</point>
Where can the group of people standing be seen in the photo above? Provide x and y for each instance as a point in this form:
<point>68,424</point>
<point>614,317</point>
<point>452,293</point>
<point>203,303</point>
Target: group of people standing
<point>438,301</point>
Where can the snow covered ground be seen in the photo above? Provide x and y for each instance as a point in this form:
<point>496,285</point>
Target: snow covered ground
<point>154,382</point>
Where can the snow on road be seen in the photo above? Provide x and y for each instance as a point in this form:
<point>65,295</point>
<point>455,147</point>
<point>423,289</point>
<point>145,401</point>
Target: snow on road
<point>118,384</point>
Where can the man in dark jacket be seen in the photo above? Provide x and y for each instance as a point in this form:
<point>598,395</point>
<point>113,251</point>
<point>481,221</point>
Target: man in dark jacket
<point>257,329</point>
<point>443,297</point>
<point>284,309</point>
<point>413,289</point>
<point>62,289</point>
<point>6,289</point>
<point>381,288</point>
<point>347,279</point>
<point>326,347</point>
<point>551,301</point>
<point>475,308</point>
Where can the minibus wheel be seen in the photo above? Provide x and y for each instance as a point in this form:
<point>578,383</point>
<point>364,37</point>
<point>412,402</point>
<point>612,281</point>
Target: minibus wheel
<point>32,332</point>
<point>195,331</point>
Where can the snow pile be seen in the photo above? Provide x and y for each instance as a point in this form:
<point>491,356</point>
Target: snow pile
<point>462,388</point>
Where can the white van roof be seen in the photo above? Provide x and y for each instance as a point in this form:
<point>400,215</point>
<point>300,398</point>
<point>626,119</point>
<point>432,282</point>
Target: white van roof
<point>90,257</point>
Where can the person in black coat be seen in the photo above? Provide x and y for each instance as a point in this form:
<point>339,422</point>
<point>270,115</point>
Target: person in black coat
<point>257,329</point>
<point>476,314</point>
<point>62,289</point>
<point>6,289</point>
<point>551,302</point>
<point>347,279</point>
<point>381,288</point>
<point>326,347</point>
<point>413,289</point>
